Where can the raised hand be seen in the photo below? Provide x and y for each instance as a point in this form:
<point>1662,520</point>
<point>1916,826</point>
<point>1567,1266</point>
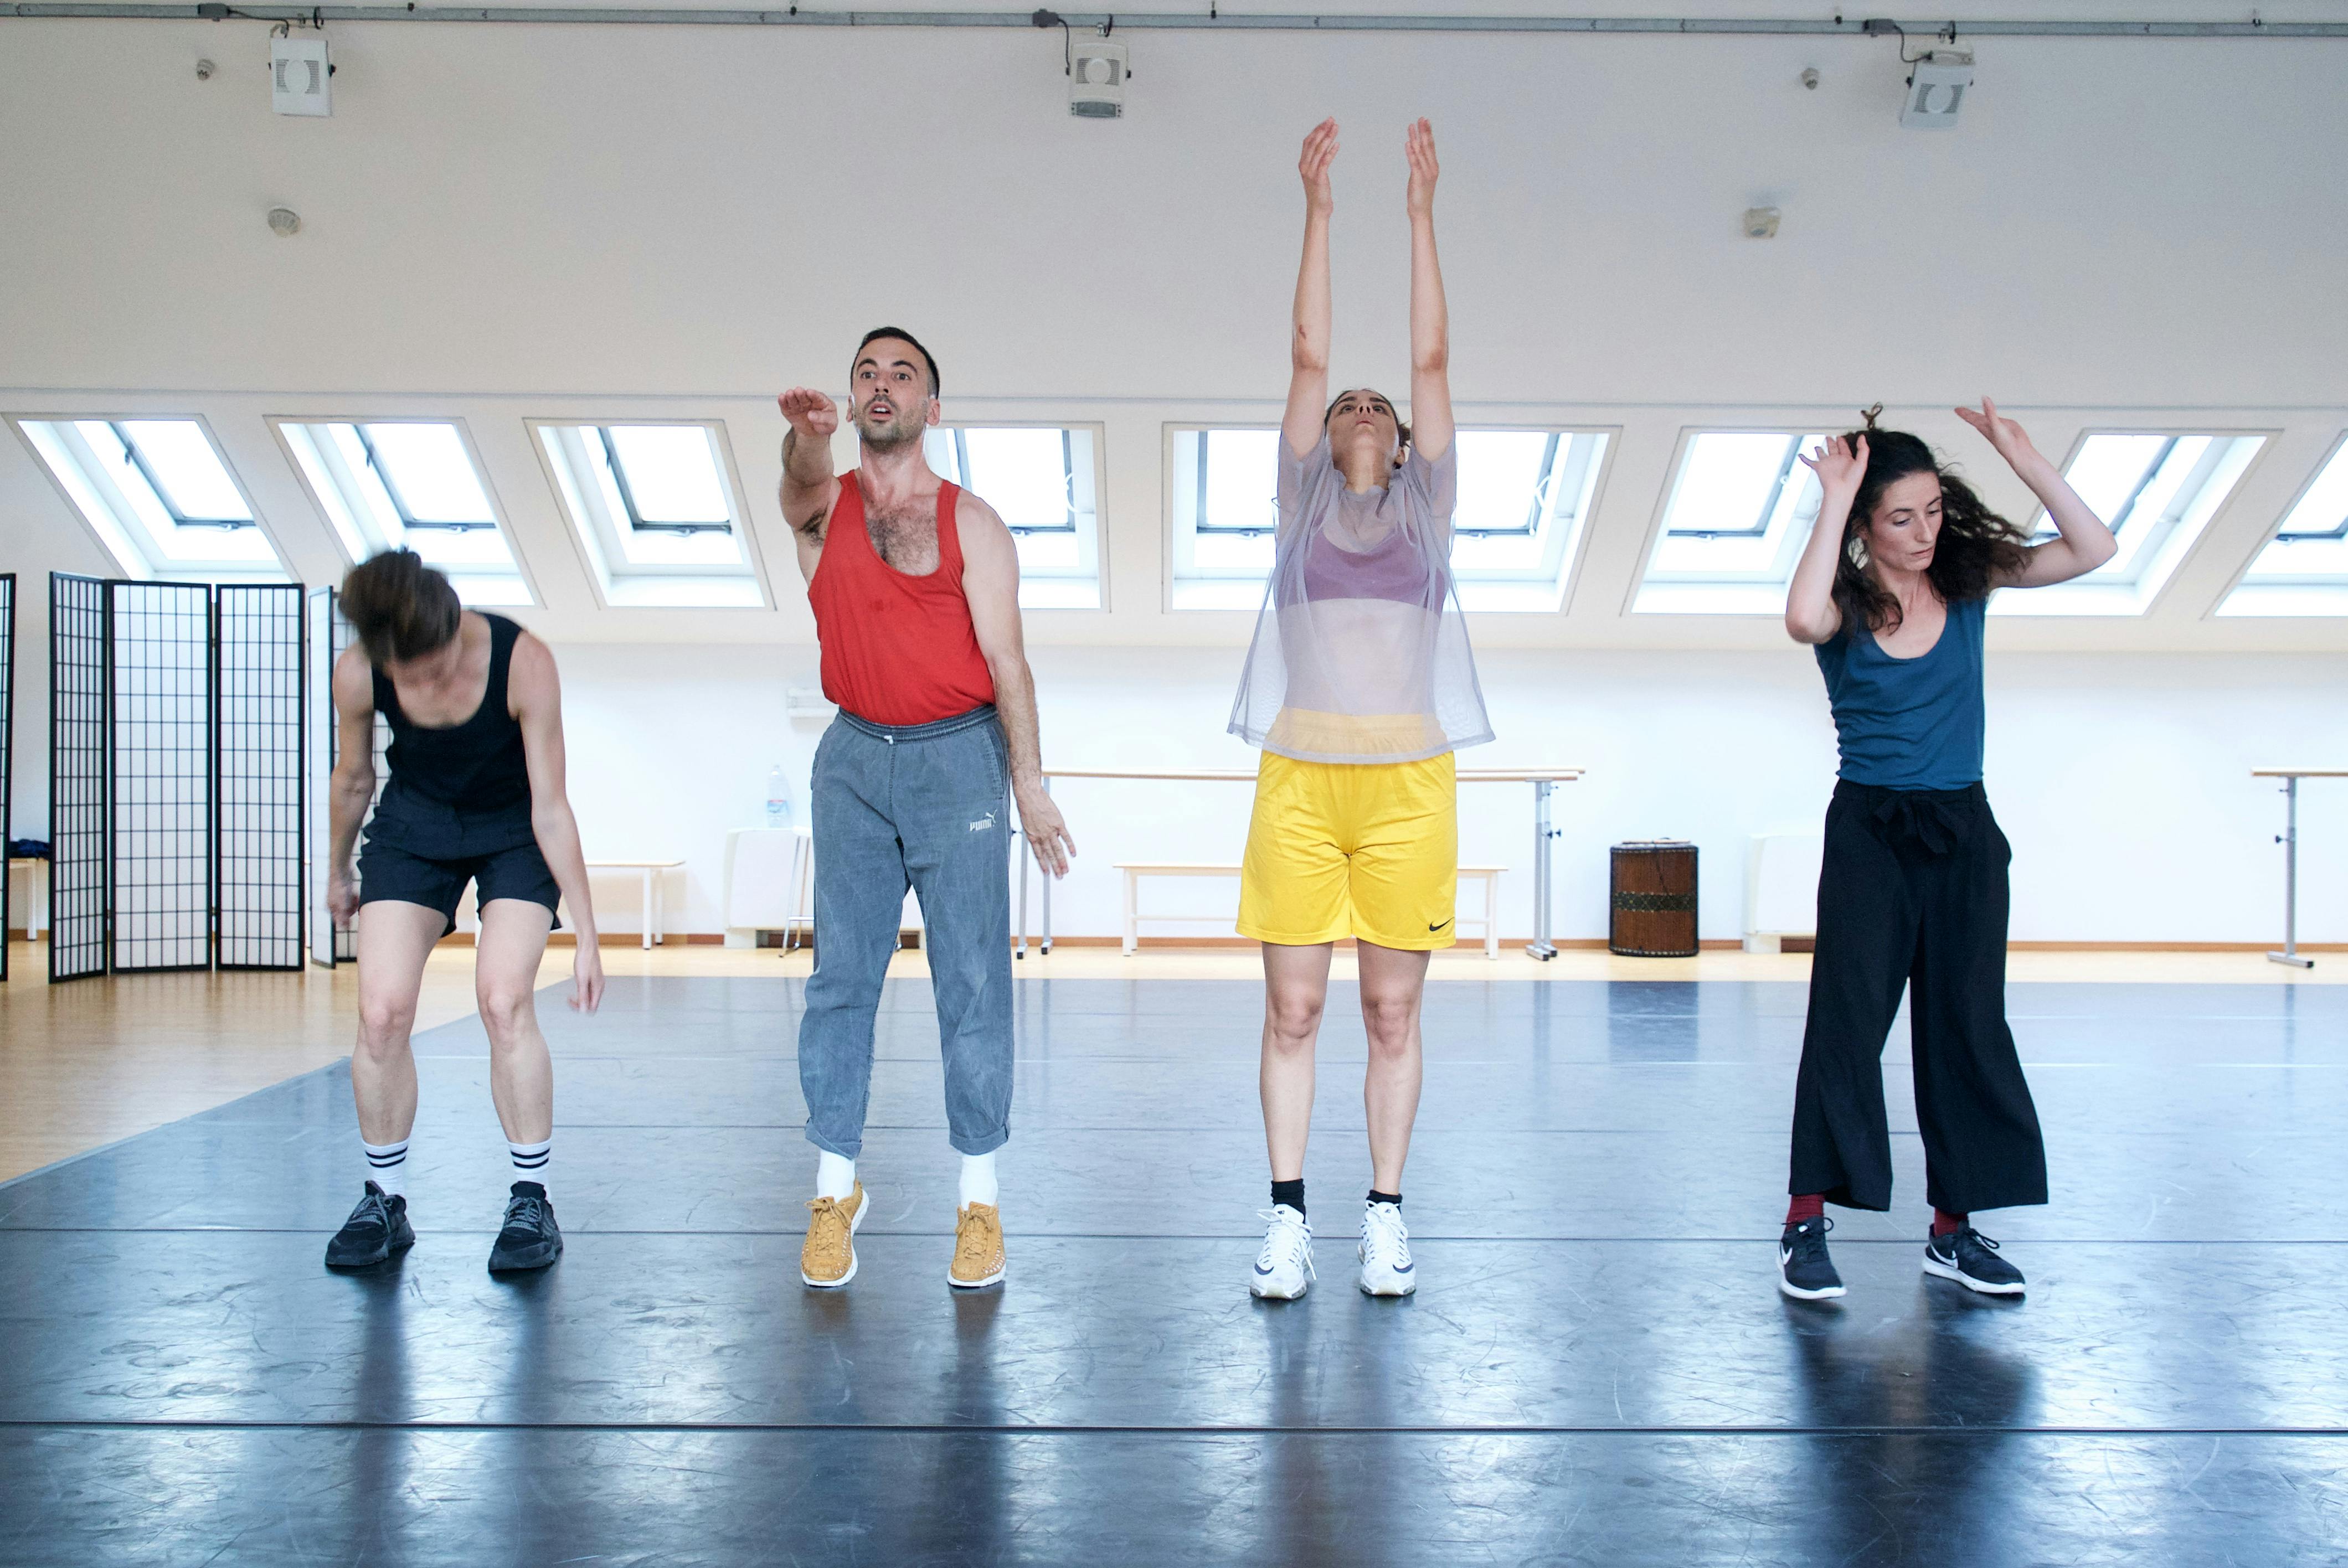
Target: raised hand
<point>1418,147</point>
<point>2004,433</point>
<point>1840,467</point>
<point>1320,151</point>
<point>812,413</point>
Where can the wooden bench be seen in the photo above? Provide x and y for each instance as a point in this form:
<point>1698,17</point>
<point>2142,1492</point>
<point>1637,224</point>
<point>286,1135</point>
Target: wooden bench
<point>1136,870</point>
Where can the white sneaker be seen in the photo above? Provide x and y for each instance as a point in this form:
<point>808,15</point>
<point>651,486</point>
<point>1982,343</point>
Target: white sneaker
<point>1283,1269</point>
<point>1386,1252</point>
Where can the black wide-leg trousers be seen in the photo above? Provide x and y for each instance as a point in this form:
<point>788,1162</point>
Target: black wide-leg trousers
<point>1912,893</point>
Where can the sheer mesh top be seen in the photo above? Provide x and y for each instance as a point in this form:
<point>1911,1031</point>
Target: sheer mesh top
<point>1361,654</point>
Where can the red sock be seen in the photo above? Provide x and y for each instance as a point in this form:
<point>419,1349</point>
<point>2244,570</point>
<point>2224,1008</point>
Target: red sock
<point>1809,1207</point>
<point>1946,1223</point>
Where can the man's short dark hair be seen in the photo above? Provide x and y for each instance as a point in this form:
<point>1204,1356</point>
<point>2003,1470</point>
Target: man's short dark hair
<point>900,332</point>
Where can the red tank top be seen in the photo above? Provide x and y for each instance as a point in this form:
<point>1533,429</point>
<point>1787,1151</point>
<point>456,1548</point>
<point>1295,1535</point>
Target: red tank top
<point>897,649</point>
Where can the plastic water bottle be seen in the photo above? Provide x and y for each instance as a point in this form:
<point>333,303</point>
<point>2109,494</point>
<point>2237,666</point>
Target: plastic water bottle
<point>778,799</point>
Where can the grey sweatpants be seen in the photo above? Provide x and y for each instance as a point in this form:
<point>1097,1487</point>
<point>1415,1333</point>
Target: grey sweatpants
<point>923,807</point>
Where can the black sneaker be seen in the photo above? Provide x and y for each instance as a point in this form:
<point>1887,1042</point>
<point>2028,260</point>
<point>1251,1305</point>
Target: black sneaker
<point>1970,1258</point>
<point>531,1238</point>
<point>377,1228</point>
<point>1805,1272</point>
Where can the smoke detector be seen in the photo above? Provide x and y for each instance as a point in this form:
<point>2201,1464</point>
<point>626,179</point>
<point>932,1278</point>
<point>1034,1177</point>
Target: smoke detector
<point>1760,222</point>
<point>1096,74</point>
<point>1937,89</point>
<point>284,222</point>
<point>301,79</point>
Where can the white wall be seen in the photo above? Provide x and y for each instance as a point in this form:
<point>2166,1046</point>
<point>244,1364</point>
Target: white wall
<point>2122,781</point>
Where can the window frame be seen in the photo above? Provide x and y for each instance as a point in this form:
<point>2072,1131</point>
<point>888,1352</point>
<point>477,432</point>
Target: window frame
<point>2157,561</point>
<point>1545,587</point>
<point>123,537</point>
<point>1092,545</point>
<point>350,532</point>
<point>2284,593</point>
<point>602,553</point>
<point>1753,596</point>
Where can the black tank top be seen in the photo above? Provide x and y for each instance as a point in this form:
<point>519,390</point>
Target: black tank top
<point>463,790</point>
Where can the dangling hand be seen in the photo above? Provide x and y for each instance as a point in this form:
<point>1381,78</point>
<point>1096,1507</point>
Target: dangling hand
<point>1840,467</point>
<point>2004,433</point>
<point>1418,147</point>
<point>1320,151</point>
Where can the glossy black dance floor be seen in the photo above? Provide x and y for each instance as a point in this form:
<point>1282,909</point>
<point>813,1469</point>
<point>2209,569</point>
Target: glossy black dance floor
<point>1596,1369</point>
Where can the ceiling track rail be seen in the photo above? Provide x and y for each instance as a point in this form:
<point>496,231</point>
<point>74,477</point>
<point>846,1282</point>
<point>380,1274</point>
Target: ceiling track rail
<point>1167,21</point>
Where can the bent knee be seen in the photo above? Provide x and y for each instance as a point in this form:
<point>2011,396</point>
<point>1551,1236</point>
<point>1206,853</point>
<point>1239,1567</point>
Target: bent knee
<point>384,1023</point>
<point>507,1013</point>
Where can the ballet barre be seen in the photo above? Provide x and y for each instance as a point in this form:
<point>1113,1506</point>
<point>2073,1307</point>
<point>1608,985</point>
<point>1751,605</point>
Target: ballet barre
<point>2289,839</point>
<point>1543,780</point>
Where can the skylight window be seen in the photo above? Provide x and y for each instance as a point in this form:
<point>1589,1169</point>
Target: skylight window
<point>654,510</point>
<point>1044,481</point>
<point>158,496</point>
<point>1740,510</point>
<point>1523,496</point>
<point>2156,492</point>
<point>2303,570</point>
<point>412,484</point>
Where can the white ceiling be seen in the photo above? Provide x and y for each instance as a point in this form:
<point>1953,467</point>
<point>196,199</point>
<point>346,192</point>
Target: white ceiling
<point>510,222</point>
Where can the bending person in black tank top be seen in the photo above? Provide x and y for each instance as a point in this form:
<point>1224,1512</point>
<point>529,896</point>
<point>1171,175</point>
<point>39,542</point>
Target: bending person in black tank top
<point>476,797</point>
<point>1912,892</point>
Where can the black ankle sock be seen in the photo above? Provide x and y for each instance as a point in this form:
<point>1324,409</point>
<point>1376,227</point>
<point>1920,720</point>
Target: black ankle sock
<point>1378,1198</point>
<point>1289,1193</point>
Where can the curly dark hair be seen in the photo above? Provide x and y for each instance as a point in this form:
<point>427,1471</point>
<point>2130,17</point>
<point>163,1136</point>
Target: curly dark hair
<point>1973,546</point>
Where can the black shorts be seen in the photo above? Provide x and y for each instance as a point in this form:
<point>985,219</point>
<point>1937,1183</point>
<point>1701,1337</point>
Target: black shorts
<point>389,873</point>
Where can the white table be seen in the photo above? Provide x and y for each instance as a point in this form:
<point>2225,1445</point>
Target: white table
<point>1543,780</point>
<point>2289,839</point>
<point>655,893</point>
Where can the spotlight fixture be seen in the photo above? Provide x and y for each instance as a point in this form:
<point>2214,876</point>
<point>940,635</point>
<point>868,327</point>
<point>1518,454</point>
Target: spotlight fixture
<point>284,222</point>
<point>1811,78</point>
<point>301,78</point>
<point>1760,222</point>
<point>1936,89</point>
<point>204,69</point>
<point>1097,74</point>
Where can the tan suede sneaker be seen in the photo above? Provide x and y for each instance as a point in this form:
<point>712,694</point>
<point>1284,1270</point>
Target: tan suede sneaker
<point>978,1248</point>
<point>829,1259</point>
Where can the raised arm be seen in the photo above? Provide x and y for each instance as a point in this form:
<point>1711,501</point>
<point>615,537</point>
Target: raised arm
<point>352,788</point>
<point>808,486</point>
<point>1308,347</point>
<point>2086,543</point>
<point>1431,426</point>
<point>1811,613</point>
<point>534,693</point>
<point>990,581</point>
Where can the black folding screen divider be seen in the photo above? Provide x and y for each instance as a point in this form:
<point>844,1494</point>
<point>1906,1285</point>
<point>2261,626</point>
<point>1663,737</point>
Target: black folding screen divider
<point>177,782</point>
<point>7,750</point>
<point>257,849</point>
<point>78,855</point>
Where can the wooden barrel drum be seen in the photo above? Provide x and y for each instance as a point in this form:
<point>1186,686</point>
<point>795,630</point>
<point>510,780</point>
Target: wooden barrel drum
<point>1654,902</point>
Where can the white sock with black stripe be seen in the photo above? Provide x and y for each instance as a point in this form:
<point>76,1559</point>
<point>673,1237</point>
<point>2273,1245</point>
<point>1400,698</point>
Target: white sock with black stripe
<point>388,1165</point>
<point>529,1160</point>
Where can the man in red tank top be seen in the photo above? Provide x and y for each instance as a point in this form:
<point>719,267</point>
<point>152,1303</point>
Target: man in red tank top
<point>915,587</point>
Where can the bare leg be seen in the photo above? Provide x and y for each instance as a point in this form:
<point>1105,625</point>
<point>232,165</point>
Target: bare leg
<point>1295,989</point>
<point>393,941</point>
<point>1393,983</point>
<point>505,979</point>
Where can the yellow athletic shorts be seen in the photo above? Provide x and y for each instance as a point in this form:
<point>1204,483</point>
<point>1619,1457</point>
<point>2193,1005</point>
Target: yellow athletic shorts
<point>1369,850</point>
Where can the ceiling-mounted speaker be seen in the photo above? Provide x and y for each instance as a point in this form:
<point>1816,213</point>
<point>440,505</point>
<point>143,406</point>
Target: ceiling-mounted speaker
<point>301,80</point>
<point>1097,74</point>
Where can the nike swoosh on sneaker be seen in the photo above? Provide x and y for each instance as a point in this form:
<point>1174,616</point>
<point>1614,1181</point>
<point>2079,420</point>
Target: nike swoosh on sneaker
<point>1784,1256</point>
<point>1261,1269</point>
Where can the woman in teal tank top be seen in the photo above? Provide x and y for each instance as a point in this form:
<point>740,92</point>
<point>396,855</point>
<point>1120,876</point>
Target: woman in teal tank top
<point>1891,592</point>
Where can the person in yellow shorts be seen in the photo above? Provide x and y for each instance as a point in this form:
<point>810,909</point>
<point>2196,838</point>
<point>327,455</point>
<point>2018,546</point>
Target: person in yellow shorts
<point>1359,686</point>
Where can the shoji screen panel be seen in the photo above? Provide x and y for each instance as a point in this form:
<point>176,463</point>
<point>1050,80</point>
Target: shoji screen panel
<point>8,748</point>
<point>77,813</point>
<point>257,851</point>
<point>163,781</point>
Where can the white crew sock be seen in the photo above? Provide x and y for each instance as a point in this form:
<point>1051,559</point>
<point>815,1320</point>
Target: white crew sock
<point>978,1180</point>
<point>834,1177</point>
<point>531,1161</point>
<point>388,1165</point>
